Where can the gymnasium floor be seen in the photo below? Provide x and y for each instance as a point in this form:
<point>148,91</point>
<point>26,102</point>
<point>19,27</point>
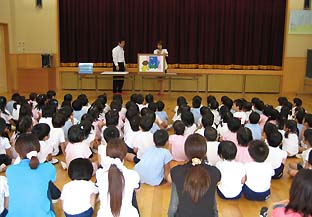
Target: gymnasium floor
<point>154,201</point>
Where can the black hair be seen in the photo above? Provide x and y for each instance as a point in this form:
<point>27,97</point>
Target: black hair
<point>227,101</point>
<point>310,158</point>
<point>269,128</point>
<point>207,120</point>
<point>68,97</point>
<point>86,126</point>
<point>102,98</point>
<point>131,112</point>
<point>234,124</point>
<point>149,98</point>
<point>308,120</point>
<point>179,127</point>
<point>239,103</point>
<point>139,99</point>
<point>258,150</point>
<point>214,105</point>
<point>2,126</point>
<point>160,105</point>
<point>297,101</point>
<point>41,130</point>
<point>181,101</point>
<point>291,125</point>
<point>282,100</point>
<point>112,118</point>
<point>146,123</point>
<point>133,97</point>
<point>188,118</point>
<point>132,105</point>
<point>196,101</point>
<point>84,99</point>
<point>259,105</point>
<point>80,169</point>
<point>244,136</point>
<point>58,120</point>
<point>41,100</point>
<point>24,124</point>
<point>118,98</point>
<point>48,110</point>
<point>135,123</point>
<point>254,118</point>
<point>210,134</point>
<point>144,111</point>
<point>247,106</point>
<point>275,139</point>
<point>77,105</point>
<point>308,136</point>
<point>25,109</point>
<point>15,96</point>
<point>152,106</point>
<point>3,103</point>
<point>51,94</point>
<point>227,150</point>
<point>204,110</point>
<point>76,134</point>
<point>183,108</point>
<point>67,111</point>
<point>300,116</point>
<point>121,39</point>
<point>111,132</point>
<point>116,106</point>
<point>160,138</point>
<point>33,96</point>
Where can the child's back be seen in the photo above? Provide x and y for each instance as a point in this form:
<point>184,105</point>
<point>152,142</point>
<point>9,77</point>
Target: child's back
<point>151,167</point>
<point>176,143</point>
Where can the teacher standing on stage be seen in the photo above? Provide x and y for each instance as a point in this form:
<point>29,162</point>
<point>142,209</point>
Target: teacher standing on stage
<point>119,65</point>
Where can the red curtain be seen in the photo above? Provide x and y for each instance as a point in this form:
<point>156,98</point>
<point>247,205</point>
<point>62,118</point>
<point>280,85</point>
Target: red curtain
<point>196,33</point>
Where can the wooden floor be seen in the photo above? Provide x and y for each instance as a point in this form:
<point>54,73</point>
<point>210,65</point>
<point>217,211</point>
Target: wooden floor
<point>154,201</point>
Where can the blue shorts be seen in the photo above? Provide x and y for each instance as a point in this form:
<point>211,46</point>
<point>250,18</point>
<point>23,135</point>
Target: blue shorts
<point>221,195</point>
<point>256,196</point>
<point>88,213</point>
<point>4,213</point>
<point>278,172</point>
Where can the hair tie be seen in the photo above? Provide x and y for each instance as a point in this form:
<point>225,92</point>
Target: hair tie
<point>196,161</point>
<point>81,127</point>
<point>31,154</point>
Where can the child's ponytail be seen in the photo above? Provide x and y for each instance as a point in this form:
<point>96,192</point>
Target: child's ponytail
<point>34,161</point>
<point>116,184</point>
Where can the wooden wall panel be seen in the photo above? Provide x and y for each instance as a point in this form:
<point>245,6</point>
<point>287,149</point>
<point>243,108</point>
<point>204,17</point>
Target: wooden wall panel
<point>225,83</point>
<point>259,83</point>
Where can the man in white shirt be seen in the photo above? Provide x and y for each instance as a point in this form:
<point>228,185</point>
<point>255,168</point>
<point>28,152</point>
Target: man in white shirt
<point>119,65</point>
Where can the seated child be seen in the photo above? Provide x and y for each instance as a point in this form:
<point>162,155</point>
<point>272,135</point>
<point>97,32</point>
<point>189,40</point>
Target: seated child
<point>211,136</point>
<point>232,172</point>
<point>225,116</point>
<point>188,119</point>
<point>234,124</point>
<point>176,142</point>
<point>139,100</point>
<point>254,126</point>
<point>57,137</point>
<point>78,111</point>
<point>244,136</point>
<point>67,100</point>
<point>154,166</point>
<point>276,157</point>
<point>291,140</point>
<point>239,113</point>
<point>181,101</point>
<point>196,104</point>
<point>294,167</point>
<point>109,133</point>
<point>4,196</point>
<point>143,141</point>
<point>79,195</point>
<point>258,173</point>
<point>5,148</point>
<point>76,148</point>
<point>206,121</point>
<point>67,111</point>
<point>160,112</point>
<point>133,133</point>
<point>42,132</point>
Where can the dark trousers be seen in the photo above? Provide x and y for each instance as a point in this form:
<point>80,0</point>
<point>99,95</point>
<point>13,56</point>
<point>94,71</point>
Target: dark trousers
<point>278,172</point>
<point>5,159</point>
<point>87,213</point>
<point>118,81</point>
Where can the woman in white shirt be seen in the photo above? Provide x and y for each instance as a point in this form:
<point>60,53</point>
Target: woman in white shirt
<point>116,183</point>
<point>161,51</point>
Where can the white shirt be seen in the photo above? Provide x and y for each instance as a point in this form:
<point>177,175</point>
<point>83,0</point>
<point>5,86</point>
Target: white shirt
<point>291,144</point>
<point>132,180</point>
<point>143,141</point>
<point>7,117</point>
<point>222,129</point>
<point>15,113</point>
<point>241,116</point>
<point>216,115</point>
<point>212,152</point>
<point>276,156</point>
<point>190,130</point>
<point>232,173</point>
<point>163,52</point>
<point>305,155</point>
<point>47,120</point>
<point>259,176</point>
<point>4,191</point>
<point>131,137</point>
<point>45,150</point>
<point>4,145</point>
<point>118,55</point>
<point>56,138</point>
<point>76,196</point>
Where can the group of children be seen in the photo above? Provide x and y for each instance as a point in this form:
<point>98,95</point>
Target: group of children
<point>237,146</point>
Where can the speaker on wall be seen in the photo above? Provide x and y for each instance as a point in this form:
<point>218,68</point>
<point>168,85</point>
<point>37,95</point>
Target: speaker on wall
<point>39,3</point>
<point>46,60</point>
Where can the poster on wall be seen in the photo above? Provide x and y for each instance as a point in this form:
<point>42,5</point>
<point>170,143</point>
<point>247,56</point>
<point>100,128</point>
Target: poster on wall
<point>300,22</point>
<point>150,63</point>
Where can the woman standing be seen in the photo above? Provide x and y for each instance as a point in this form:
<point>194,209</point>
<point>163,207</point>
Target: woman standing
<point>161,51</point>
